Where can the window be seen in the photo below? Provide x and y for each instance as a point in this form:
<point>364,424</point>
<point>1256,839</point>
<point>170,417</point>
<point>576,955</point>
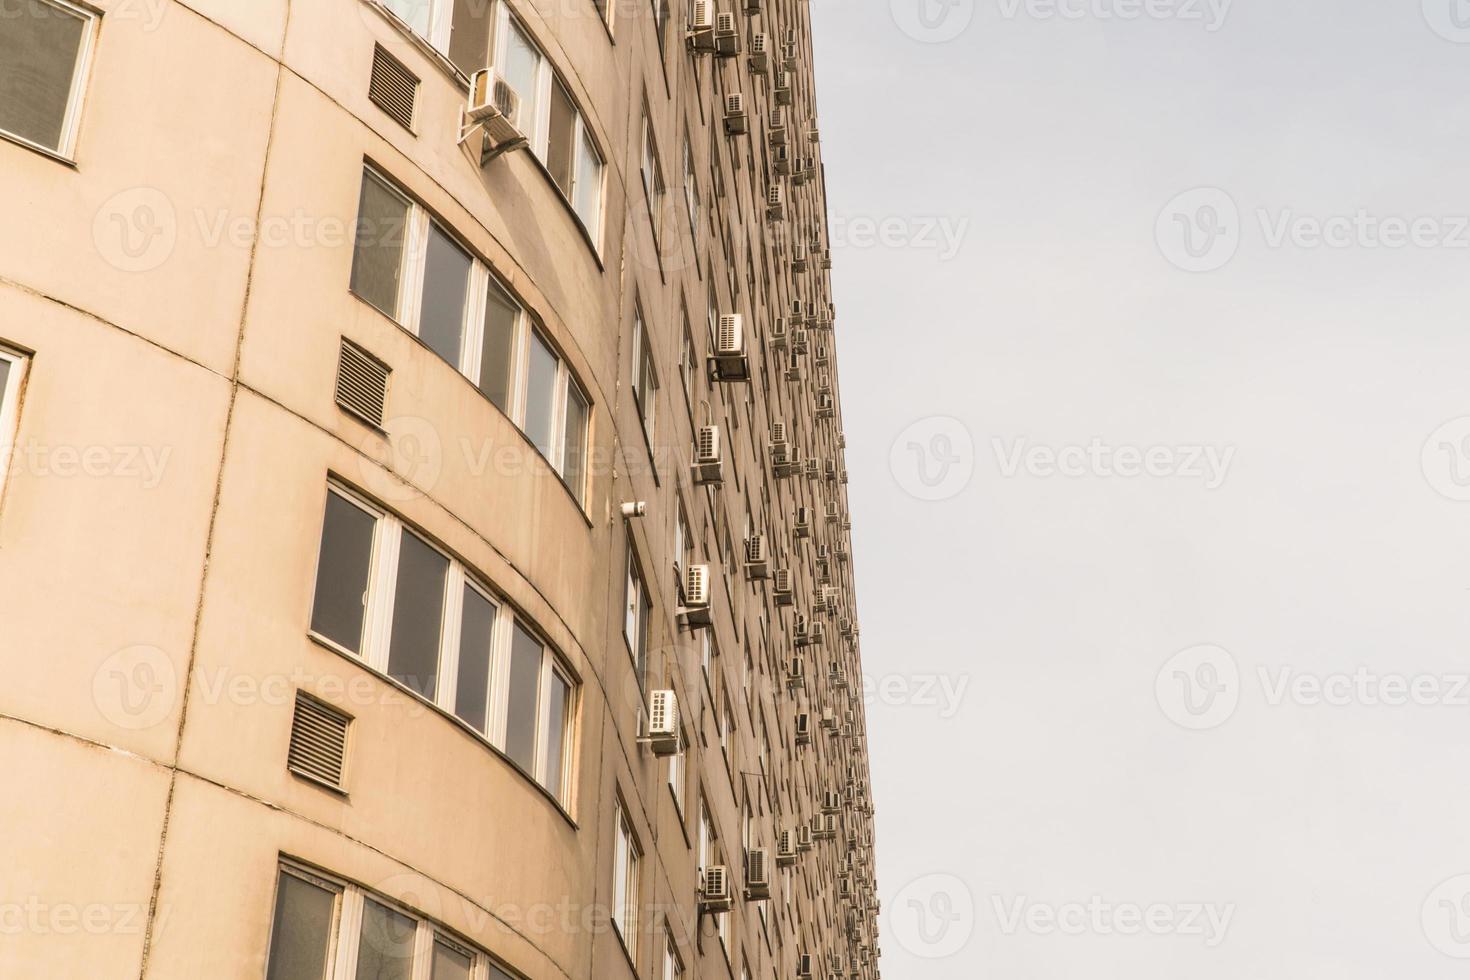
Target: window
<point>443,636</point>
<point>327,928</point>
<point>645,382</point>
<point>625,884</point>
<point>683,548</point>
<point>638,619</point>
<point>676,773</point>
<point>653,179</point>
<point>673,966</point>
<point>409,267</point>
<point>691,186</point>
<point>44,48</point>
<point>555,128</point>
<point>12,376</point>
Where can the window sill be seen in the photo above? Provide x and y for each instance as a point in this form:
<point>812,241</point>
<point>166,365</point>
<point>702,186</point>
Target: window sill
<point>333,647</point>
<point>48,153</point>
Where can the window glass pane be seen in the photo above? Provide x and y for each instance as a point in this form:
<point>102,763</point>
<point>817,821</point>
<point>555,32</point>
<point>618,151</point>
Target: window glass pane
<point>446,283</point>
<point>556,727</point>
<point>415,13</point>
<point>522,70</point>
<point>540,395</point>
<point>450,963</point>
<point>496,973</point>
<point>385,951</point>
<point>39,44</point>
<point>525,690</point>
<point>472,690</point>
<point>4,379</point>
<point>302,933</point>
<point>377,260</point>
<point>342,573</point>
<point>587,198</point>
<point>469,38</point>
<point>574,443</point>
<point>418,614</point>
<point>497,356</point>
<point>562,139</point>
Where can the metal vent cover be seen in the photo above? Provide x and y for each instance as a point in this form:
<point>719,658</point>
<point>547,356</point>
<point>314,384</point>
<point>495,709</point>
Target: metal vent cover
<point>393,88</point>
<point>362,383</point>
<point>318,741</point>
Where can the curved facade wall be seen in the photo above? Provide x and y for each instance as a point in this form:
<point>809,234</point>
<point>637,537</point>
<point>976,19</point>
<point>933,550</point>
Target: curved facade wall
<point>186,255</point>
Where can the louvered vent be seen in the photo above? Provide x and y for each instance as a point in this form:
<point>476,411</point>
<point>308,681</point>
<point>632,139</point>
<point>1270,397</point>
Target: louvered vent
<point>362,383</point>
<point>318,742</point>
<point>394,88</point>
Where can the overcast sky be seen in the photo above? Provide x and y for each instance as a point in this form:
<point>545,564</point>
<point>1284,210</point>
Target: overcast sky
<point>1154,325</point>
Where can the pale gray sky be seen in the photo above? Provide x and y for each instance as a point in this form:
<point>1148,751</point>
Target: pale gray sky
<point>1296,524</point>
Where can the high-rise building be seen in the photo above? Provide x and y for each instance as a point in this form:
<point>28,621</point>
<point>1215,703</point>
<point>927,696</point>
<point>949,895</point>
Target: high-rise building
<point>424,550</point>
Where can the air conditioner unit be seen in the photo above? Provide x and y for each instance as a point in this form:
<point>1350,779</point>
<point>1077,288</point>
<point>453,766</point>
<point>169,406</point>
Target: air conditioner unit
<point>776,203</point>
<point>736,121</point>
<point>793,367</point>
<point>803,729</point>
<point>822,359</point>
<point>709,466</point>
<point>824,384</point>
<point>783,593</point>
<point>799,342</point>
<point>813,468</point>
<point>831,802</point>
<point>786,850</point>
<point>702,27</point>
<point>798,258</point>
<point>789,56</point>
<point>776,127</point>
<point>714,890</point>
<point>727,35</point>
<point>803,527</point>
<point>778,432</point>
<point>663,723</point>
<point>757,876</point>
<point>825,827</point>
<point>696,613</point>
<point>783,88</point>
<point>803,839</point>
<point>795,672</point>
<point>781,157</point>
<point>757,563</point>
<point>826,408</point>
<point>813,135</point>
<point>787,462</point>
<point>834,513</point>
<point>826,266</point>
<point>760,53</point>
<point>804,966</point>
<point>729,362</point>
<point>494,108</point>
<point>778,334</point>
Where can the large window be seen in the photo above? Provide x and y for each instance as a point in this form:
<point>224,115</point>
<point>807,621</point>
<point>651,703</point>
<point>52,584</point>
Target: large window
<point>673,966</point>
<point>625,884</point>
<point>653,178</point>
<point>691,186</point>
<point>390,598</point>
<point>409,267</point>
<point>555,128</point>
<point>638,619</point>
<point>12,375</point>
<point>645,381</point>
<point>44,46</point>
<point>323,928</point>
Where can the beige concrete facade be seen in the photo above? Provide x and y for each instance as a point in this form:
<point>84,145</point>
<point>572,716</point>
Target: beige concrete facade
<point>176,287</point>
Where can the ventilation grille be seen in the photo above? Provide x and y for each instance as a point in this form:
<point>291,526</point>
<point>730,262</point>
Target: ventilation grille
<point>362,383</point>
<point>394,88</point>
<point>318,742</point>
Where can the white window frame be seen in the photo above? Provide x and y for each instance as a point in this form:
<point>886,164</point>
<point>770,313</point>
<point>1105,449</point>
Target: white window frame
<point>472,333</point>
<point>637,614</point>
<point>388,531</point>
<point>627,860</point>
<point>673,962</point>
<point>10,407</point>
<point>643,359</point>
<point>441,22</point>
<point>345,938</point>
<point>71,120</point>
<point>691,186</point>
<point>538,131</point>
